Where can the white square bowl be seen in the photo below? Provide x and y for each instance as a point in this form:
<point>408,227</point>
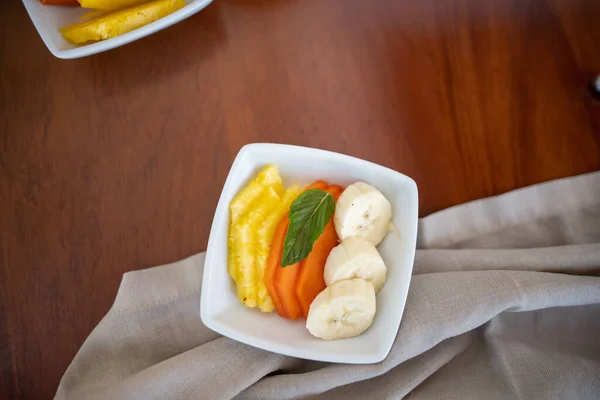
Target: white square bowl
<point>49,19</point>
<point>220,308</point>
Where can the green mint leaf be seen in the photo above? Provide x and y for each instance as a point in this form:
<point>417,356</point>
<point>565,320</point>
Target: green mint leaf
<point>309,214</point>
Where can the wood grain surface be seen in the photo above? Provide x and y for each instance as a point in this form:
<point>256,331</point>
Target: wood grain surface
<point>115,162</point>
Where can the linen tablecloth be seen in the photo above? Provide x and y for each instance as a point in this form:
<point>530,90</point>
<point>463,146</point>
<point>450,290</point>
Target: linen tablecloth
<point>504,303</point>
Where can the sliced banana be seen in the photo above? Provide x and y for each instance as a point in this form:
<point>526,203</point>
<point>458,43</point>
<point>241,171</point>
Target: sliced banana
<point>362,211</point>
<point>343,310</point>
<point>355,257</point>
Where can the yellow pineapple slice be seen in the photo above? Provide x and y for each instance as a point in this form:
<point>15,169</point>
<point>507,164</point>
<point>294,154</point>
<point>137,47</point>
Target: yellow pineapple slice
<point>241,204</point>
<point>119,22</point>
<point>246,237</point>
<point>244,201</point>
<point>265,238</point>
<point>269,176</point>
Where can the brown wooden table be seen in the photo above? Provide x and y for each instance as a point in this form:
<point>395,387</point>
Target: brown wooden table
<point>115,162</point>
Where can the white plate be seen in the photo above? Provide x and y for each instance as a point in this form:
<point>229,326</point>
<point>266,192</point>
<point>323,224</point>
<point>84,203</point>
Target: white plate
<point>220,308</point>
<point>49,19</point>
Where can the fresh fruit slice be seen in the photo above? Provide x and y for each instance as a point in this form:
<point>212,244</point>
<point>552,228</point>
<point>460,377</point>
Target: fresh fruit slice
<point>269,176</point>
<point>119,22</point>
<point>362,211</point>
<point>281,281</point>
<point>285,286</point>
<point>286,277</point>
<point>241,204</point>
<point>274,263</point>
<point>355,257</point>
<point>310,279</point>
<point>266,233</point>
<point>244,201</point>
<point>246,240</point>
<point>343,310</point>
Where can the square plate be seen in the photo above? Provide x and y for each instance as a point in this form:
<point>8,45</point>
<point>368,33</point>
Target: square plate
<point>220,308</point>
<point>49,19</point>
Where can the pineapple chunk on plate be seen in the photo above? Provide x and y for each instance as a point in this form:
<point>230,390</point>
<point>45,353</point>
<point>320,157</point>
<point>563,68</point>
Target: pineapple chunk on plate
<point>119,22</point>
<point>245,201</point>
<point>246,238</point>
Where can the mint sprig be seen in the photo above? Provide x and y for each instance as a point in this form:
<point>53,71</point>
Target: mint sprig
<point>309,215</point>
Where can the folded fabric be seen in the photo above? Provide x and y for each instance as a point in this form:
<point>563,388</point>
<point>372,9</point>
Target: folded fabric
<point>504,304</point>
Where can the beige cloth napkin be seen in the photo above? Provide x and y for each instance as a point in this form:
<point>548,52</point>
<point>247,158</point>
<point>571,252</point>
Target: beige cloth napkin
<point>504,304</point>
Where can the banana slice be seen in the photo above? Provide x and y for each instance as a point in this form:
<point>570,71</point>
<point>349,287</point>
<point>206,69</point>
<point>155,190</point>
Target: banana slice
<point>355,257</point>
<point>362,211</point>
<point>343,310</point>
